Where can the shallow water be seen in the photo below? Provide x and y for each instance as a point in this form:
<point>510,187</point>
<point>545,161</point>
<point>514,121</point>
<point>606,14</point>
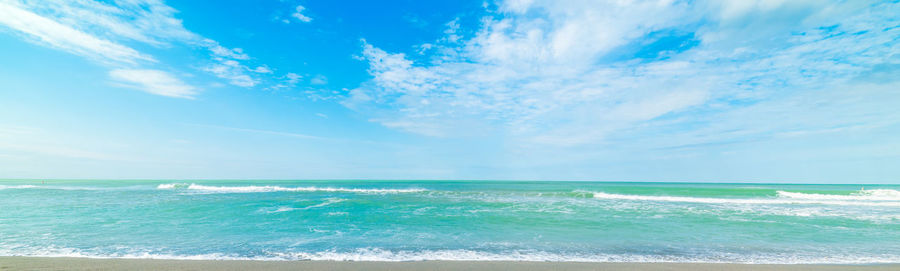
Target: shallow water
<point>446,220</point>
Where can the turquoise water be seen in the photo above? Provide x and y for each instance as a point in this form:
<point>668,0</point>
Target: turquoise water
<point>445,220</point>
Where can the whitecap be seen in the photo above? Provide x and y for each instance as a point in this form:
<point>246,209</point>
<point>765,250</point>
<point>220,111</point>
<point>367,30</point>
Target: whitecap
<point>270,188</point>
<point>771,200</point>
<point>867,195</point>
<point>171,185</point>
<point>17,186</point>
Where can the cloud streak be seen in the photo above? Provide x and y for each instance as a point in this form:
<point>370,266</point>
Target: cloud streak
<point>153,81</point>
<point>264,132</point>
<point>98,31</point>
<point>48,32</point>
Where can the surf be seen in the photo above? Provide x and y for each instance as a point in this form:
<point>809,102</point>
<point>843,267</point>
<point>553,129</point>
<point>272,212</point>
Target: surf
<point>862,195</point>
<point>876,198</point>
<point>271,188</point>
<point>390,255</point>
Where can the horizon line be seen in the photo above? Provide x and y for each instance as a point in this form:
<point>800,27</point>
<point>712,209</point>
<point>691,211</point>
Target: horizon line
<point>436,180</point>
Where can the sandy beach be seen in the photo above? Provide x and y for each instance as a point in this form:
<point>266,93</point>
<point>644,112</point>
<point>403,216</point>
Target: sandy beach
<point>46,263</point>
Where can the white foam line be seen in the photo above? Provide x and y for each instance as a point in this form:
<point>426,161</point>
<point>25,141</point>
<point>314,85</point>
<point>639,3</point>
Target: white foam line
<point>170,185</point>
<point>327,202</point>
<point>17,186</point>
<point>375,254</point>
<point>267,188</point>
<point>601,195</point>
<point>874,195</point>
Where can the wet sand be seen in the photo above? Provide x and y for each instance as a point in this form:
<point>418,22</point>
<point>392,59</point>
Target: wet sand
<point>46,263</point>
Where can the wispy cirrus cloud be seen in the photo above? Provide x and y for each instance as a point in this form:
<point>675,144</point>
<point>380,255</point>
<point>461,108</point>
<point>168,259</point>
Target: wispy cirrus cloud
<point>576,73</point>
<point>260,131</point>
<point>153,81</point>
<point>100,31</point>
<point>233,71</point>
<point>61,36</point>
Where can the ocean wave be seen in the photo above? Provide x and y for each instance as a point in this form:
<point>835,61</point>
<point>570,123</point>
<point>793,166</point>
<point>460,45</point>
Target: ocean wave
<point>269,188</point>
<point>384,255</point>
<point>172,185</point>
<point>376,254</point>
<point>57,252</point>
<point>2,187</point>
<point>780,199</point>
<point>866,195</point>
<point>823,211</point>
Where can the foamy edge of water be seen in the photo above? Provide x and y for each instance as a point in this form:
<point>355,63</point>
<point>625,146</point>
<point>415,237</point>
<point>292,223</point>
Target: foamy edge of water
<point>383,255</point>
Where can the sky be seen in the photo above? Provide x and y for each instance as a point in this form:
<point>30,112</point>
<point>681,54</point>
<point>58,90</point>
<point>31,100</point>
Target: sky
<point>704,91</point>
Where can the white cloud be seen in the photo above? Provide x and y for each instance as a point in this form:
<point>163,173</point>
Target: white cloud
<point>298,13</point>
<point>289,80</point>
<point>233,71</point>
<point>519,73</point>
<point>292,78</point>
<point>48,32</point>
<point>262,69</point>
<point>97,30</point>
<point>153,81</point>
<point>219,51</point>
<point>567,73</point>
<point>319,80</point>
<point>228,65</point>
<point>146,21</point>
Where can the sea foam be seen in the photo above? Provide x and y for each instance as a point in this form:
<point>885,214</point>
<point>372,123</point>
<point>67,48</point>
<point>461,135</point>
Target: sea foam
<point>378,254</point>
<point>17,186</point>
<point>327,202</point>
<point>878,198</point>
<point>867,195</point>
<point>270,188</point>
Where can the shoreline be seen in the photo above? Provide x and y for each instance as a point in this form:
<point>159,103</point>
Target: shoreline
<point>70,263</point>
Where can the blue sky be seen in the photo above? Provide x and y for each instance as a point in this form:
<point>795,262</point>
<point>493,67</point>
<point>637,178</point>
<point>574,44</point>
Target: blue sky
<point>713,91</point>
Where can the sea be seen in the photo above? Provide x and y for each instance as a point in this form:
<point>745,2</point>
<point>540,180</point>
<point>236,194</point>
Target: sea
<point>452,220</point>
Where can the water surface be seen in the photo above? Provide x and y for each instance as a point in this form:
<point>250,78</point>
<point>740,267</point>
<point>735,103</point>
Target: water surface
<point>452,220</point>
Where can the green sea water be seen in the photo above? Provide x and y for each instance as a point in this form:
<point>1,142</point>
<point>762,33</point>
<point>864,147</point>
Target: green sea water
<point>452,220</point>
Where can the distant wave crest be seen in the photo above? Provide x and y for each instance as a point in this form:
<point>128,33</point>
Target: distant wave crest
<point>59,187</point>
<point>879,197</point>
<point>270,188</point>
<point>17,186</point>
<point>867,195</point>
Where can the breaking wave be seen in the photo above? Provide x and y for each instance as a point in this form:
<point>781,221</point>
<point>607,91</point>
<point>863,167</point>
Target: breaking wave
<point>2,187</point>
<point>268,188</point>
<point>862,195</point>
<point>880,197</point>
